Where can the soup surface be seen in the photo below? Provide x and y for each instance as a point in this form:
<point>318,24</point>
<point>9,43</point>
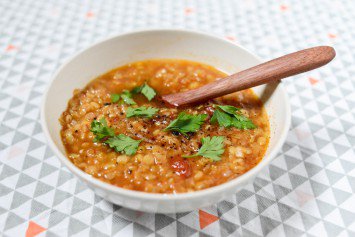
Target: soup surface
<point>108,134</point>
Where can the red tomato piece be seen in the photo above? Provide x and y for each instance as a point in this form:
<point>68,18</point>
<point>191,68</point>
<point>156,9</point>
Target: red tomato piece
<point>181,167</point>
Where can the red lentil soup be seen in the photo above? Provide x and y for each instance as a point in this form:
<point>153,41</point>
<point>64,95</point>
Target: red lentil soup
<point>158,164</point>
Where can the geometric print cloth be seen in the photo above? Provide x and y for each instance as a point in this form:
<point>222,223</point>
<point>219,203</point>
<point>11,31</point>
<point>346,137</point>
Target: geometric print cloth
<point>308,190</point>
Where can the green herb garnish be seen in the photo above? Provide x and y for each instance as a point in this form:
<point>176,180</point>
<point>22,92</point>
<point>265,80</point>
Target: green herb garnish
<point>120,143</point>
<point>228,116</point>
<point>123,143</point>
<point>126,97</point>
<point>211,148</point>
<point>186,123</point>
<point>146,112</point>
<point>146,90</point>
<point>115,97</point>
<point>224,119</point>
<point>101,130</point>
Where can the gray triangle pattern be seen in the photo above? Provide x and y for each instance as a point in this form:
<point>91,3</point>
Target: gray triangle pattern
<point>118,223</point>
<point>249,233</point>
<point>75,226</point>
<point>162,221</point>
<point>285,211</point>
<point>7,172</point>
<point>78,206</point>
<point>227,228</point>
<point>29,162</point>
<point>308,220</point>
<point>12,221</point>
<point>291,231</point>
<point>140,230</point>
<point>243,195</point>
<point>55,218</point>
<point>42,189</point>
<point>245,215</point>
<point>184,230</point>
<point>37,208</point>
<point>332,229</point>
<point>24,180</point>
<point>96,233</point>
<point>18,200</point>
<point>263,203</point>
<point>201,234</point>
<point>98,215</point>
<point>268,224</point>
<point>46,170</point>
<point>60,196</point>
<point>4,190</point>
<point>307,189</point>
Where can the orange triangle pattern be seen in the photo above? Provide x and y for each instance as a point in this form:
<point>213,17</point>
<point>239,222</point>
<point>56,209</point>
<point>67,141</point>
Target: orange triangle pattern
<point>206,218</point>
<point>34,229</point>
<point>303,197</point>
<point>283,7</point>
<point>231,38</point>
<point>188,11</point>
<point>90,14</point>
<point>10,47</point>
<point>313,81</point>
<point>332,36</point>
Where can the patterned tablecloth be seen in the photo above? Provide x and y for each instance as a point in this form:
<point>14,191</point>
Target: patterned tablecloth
<point>307,190</point>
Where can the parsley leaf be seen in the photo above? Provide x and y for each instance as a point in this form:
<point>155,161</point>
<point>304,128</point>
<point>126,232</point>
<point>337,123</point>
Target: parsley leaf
<point>123,143</point>
<point>243,122</point>
<point>228,109</point>
<point>101,130</point>
<point>228,116</point>
<point>126,97</point>
<point>186,123</point>
<point>211,148</point>
<point>115,97</point>
<point>223,119</point>
<point>146,90</point>
<point>141,112</point>
<point>136,90</point>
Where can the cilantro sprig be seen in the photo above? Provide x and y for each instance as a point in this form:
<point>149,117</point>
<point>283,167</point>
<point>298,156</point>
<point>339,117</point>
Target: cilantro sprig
<point>101,130</point>
<point>211,148</point>
<point>125,97</point>
<point>106,135</point>
<point>123,143</point>
<point>229,116</point>
<point>115,98</point>
<point>146,112</point>
<point>185,123</point>
<point>146,90</point>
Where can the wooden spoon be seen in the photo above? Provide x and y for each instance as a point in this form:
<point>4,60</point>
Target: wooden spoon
<point>271,71</point>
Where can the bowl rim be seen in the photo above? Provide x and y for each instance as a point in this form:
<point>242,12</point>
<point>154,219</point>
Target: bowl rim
<point>163,196</point>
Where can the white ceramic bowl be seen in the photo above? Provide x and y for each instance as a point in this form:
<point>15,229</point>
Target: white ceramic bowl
<point>136,46</point>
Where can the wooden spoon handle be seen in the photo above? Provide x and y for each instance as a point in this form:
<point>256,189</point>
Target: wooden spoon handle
<point>274,70</point>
